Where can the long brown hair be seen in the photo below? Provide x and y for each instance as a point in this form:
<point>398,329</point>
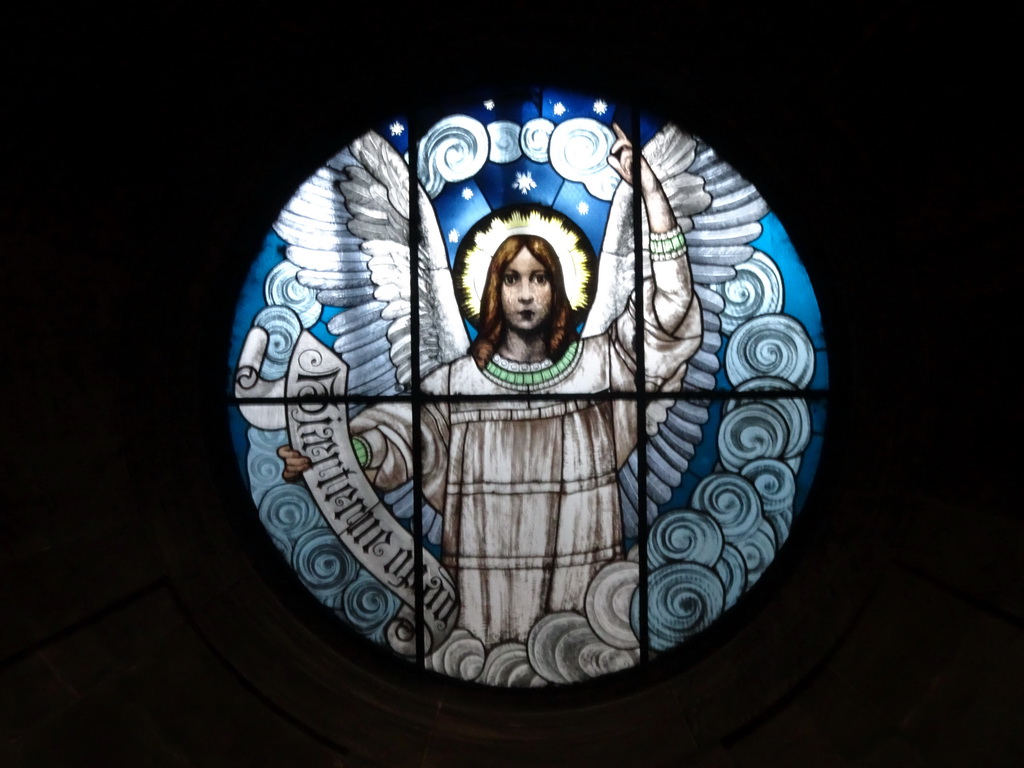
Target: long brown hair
<point>560,330</point>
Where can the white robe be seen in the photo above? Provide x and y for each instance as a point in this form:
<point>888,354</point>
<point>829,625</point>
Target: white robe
<point>528,487</point>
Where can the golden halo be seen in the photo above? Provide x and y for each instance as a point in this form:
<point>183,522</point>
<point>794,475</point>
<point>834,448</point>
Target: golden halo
<point>572,255</point>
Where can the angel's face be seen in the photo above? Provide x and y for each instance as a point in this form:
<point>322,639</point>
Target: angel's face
<point>525,293</point>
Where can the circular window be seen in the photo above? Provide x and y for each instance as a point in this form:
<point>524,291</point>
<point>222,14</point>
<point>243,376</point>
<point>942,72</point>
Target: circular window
<point>578,436</point>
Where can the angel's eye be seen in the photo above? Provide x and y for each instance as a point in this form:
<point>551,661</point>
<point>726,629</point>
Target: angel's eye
<point>510,278</point>
<point>540,278</point>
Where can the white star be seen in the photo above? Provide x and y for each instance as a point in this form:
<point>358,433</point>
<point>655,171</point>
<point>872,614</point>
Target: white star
<point>583,208</point>
<point>489,105</point>
<point>453,236</point>
<point>397,129</point>
<point>467,194</point>
<point>600,106</point>
<point>559,109</point>
<point>524,182</point>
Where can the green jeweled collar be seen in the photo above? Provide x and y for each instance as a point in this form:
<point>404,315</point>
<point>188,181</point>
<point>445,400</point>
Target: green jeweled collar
<point>530,376</point>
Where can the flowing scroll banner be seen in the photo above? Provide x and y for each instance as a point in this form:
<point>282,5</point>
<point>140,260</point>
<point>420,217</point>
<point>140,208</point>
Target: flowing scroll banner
<point>317,424</point>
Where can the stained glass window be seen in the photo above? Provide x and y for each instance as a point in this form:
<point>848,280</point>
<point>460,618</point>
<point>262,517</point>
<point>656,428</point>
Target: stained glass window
<point>547,458</point>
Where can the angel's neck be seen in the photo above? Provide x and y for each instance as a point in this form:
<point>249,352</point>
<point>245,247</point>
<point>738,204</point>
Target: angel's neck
<point>523,348</point>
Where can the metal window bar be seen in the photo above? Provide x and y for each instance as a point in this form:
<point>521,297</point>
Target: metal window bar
<point>640,380</point>
<point>417,438</point>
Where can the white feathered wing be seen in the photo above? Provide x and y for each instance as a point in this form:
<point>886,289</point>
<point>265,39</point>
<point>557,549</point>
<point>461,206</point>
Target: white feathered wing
<point>719,212</point>
<point>348,230</point>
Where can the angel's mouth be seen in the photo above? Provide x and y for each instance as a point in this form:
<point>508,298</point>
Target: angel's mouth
<point>526,314</point>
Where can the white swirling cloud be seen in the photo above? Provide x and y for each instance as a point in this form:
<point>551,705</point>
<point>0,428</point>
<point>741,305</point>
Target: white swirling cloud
<point>579,152</point>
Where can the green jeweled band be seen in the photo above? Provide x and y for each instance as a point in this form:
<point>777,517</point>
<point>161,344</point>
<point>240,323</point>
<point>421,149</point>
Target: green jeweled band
<point>662,236</point>
<point>362,451</point>
<point>668,246</point>
<point>534,378</point>
<point>672,255</point>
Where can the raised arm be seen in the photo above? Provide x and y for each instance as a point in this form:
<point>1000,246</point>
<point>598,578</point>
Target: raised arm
<point>669,301</point>
<point>671,296</point>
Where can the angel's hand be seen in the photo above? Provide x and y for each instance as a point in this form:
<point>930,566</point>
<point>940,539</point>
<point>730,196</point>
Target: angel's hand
<point>620,157</point>
<point>294,464</point>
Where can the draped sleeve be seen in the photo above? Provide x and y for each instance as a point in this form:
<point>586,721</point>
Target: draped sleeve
<point>386,428</point>
<point>667,350</point>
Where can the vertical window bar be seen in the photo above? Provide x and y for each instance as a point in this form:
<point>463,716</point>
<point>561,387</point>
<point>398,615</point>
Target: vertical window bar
<point>640,379</point>
<point>417,438</point>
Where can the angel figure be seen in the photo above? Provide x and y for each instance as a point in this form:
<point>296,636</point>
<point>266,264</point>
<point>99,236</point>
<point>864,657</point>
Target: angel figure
<point>527,474</point>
